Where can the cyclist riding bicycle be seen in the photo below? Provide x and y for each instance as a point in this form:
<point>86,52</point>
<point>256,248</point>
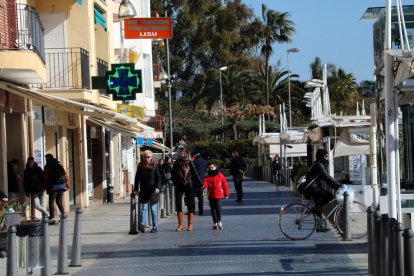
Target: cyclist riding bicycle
<point>314,178</point>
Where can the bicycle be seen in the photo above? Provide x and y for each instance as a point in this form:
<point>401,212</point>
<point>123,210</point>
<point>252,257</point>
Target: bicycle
<point>298,221</point>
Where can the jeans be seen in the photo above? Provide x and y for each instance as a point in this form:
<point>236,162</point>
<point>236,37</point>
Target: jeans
<point>56,196</point>
<point>144,212</point>
<point>276,179</point>
<point>215,207</point>
<point>39,203</point>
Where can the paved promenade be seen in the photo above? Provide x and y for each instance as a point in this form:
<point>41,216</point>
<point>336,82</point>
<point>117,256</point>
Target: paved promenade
<point>250,243</point>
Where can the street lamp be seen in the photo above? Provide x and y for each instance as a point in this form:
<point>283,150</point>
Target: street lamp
<point>224,68</point>
<point>167,44</point>
<point>126,10</point>
<point>290,50</point>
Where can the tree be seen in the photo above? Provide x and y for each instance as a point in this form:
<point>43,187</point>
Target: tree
<point>274,27</point>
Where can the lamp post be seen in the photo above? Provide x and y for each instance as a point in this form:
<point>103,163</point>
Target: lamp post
<point>167,44</point>
<point>290,50</point>
<point>126,10</point>
<point>224,68</point>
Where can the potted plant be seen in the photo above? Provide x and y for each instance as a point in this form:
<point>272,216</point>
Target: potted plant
<point>11,212</point>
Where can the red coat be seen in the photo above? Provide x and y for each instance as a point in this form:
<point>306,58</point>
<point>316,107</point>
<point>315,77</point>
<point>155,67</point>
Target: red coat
<point>217,186</point>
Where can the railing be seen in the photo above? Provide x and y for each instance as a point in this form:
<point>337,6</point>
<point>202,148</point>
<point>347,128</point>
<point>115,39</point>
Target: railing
<point>102,68</point>
<point>21,28</point>
<point>155,122</point>
<point>67,68</point>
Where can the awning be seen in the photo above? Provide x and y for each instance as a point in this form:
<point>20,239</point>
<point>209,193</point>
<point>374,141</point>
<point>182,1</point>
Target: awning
<point>66,104</point>
<point>113,126</point>
<point>159,146</point>
<point>293,150</point>
<point>350,142</point>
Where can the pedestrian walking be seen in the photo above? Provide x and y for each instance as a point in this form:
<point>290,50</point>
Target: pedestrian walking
<point>56,183</point>
<point>13,178</point>
<point>166,169</point>
<point>34,186</point>
<point>217,189</point>
<point>237,169</point>
<point>148,182</point>
<point>276,167</point>
<point>201,167</point>
<point>185,179</point>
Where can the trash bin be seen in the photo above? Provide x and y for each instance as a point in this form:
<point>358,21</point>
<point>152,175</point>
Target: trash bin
<point>30,245</point>
<point>110,194</point>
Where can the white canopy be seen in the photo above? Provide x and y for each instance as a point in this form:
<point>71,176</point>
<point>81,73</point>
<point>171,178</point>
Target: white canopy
<point>352,141</point>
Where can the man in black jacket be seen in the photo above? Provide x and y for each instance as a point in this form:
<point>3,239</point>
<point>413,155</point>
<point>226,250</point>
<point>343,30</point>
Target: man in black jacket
<point>34,185</point>
<point>201,166</point>
<point>237,168</point>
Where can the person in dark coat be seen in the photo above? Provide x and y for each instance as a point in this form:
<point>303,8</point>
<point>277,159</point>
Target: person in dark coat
<point>201,167</point>
<point>237,168</point>
<point>13,178</point>
<point>148,182</point>
<point>276,167</point>
<point>185,179</point>
<point>56,183</point>
<point>317,175</point>
<point>34,185</point>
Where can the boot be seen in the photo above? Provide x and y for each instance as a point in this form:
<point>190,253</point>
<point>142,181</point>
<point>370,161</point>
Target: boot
<point>190,221</point>
<point>180,217</point>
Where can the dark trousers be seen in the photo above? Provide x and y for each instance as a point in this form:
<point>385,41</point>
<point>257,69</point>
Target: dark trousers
<point>238,181</point>
<point>189,199</point>
<point>199,195</point>
<point>55,196</point>
<point>215,207</point>
<point>319,195</point>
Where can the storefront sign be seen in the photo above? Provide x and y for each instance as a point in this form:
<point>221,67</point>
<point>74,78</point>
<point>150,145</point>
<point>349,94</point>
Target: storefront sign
<point>359,135</point>
<point>355,172</point>
<point>131,111</point>
<point>123,82</point>
<point>50,116</point>
<point>153,27</point>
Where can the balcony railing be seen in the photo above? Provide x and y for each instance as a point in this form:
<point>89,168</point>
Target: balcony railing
<point>68,68</point>
<point>155,122</point>
<point>102,68</point>
<point>21,28</point>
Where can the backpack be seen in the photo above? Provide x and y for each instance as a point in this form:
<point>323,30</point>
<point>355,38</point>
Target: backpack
<point>60,174</point>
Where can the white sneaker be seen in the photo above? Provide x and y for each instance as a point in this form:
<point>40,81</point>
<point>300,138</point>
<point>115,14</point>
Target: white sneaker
<point>215,226</point>
<point>220,226</point>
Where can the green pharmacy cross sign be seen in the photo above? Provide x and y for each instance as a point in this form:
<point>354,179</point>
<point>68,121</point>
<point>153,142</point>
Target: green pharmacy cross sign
<point>123,82</point>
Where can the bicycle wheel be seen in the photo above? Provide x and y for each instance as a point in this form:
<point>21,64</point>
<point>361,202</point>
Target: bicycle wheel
<point>296,221</point>
<point>357,217</point>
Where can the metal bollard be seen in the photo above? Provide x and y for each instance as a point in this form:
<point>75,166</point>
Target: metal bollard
<point>408,252</point>
<point>347,235</point>
<point>174,210</point>
<point>11,251</point>
<point>167,200</point>
<point>45,271</point>
<point>370,223</point>
<point>62,264</point>
<point>76,242</point>
<point>162,204</point>
<point>133,226</point>
<point>391,246</point>
<point>376,243</point>
<point>384,245</point>
<point>399,257</point>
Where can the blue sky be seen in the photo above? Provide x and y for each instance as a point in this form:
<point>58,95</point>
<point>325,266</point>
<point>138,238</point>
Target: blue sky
<point>329,29</point>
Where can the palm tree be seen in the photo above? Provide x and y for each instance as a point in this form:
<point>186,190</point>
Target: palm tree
<point>274,27</point>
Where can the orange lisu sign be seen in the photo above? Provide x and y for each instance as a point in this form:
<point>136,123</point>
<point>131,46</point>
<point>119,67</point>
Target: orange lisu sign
<point>152,27</point>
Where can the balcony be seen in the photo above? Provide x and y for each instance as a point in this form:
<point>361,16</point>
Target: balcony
<point>68,68</point>
<point>102,68</point>
<point>156,123</point>
<point>21,39</point>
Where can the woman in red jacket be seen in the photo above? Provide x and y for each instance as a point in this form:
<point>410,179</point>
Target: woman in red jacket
<point>217,188</point>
